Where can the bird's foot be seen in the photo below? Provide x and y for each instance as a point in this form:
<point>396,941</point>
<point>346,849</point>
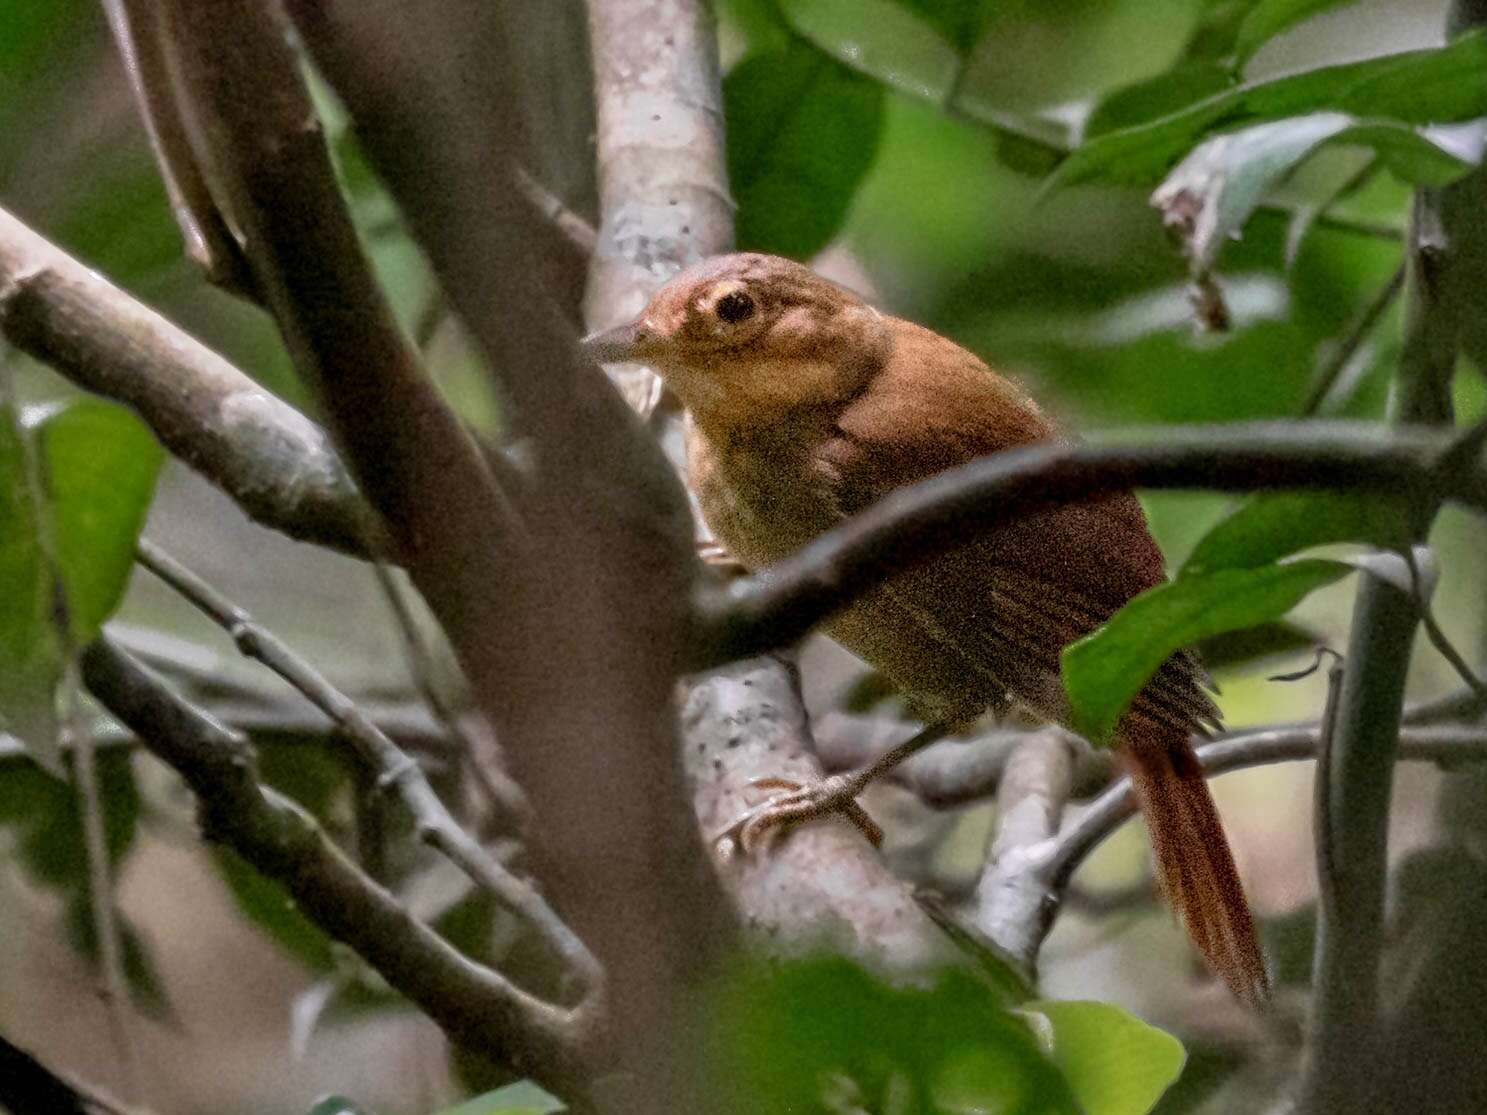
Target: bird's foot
<point>795,804</point>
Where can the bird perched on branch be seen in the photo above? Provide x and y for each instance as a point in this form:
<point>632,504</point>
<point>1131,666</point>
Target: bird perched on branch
<point>805,405</point>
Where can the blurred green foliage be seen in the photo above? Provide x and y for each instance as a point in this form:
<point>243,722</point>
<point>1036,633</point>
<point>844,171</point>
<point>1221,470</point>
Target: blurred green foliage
<point>918,135</point>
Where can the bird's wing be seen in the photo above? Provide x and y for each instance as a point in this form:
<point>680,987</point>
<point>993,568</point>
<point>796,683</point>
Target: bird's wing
<point>1013,596</point>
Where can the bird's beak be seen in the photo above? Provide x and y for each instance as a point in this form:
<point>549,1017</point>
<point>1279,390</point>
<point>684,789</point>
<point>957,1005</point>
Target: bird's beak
<point>631,341</point>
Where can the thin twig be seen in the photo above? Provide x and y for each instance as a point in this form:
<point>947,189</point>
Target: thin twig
<point>113,989</point>
<point>475,1005</point>
<point>578,231</point>
<point>1306,215</point>
<point>1344,350</point>
<point>395,770</point>
<point>1445,745</point>
<point>208,240</point>
<point>471,733</point>
<point>1437,636</point>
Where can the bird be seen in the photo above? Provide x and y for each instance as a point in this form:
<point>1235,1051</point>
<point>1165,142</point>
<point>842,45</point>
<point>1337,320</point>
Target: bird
<point>805,404</point>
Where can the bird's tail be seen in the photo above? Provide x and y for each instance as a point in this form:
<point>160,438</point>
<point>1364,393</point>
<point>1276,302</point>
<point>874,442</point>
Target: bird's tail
<point>1193,859</point>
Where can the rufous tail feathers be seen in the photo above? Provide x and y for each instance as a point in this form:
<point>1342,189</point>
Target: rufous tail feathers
<point>1193,860</point>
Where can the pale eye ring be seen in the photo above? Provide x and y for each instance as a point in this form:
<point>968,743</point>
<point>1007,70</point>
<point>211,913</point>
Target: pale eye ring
<point>734,307</point>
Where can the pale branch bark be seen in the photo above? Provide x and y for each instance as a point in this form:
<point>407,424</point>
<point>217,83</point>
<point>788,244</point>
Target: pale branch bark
<point>663,185</point>
<point>1046,869</point>
<point>474,1005</point>
<point>778,606</point>
<point>395,771</point>
<point>953,772</point>
<point>1010,899</point>
<point>272,460</point>
<point>664,205</point>
<point>208,240</point>
<point>823,884</point>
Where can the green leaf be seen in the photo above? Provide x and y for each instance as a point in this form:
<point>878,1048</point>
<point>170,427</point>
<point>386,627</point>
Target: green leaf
<point>791,1031</point>
<point>960,22</point>
<point>43,813</point>
<point>1251,644</point>
<point>99,464</point>
<point>803,131</point>
<point>1212,193</point>
<point>1273,525</point>
<point>1105,670</point>
<point>1417,87</point>
<point>1115,1063</point>
<point>94,466</point>
<point>521,1098</point>
<point>1269,18</point>
<point>883,39</point>
<point>1156,97</point>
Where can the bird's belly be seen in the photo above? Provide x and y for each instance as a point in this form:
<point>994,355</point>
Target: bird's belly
<point>763,511</point>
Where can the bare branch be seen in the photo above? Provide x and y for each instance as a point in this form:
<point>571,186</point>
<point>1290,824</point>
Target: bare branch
<point>1014,906</point>
<point>664,205</point>
<point>276,463</point>
<point>471,733</point>
<point>1446,269</point>
<point>209,242</point>
<point>393,767</point>
<point>778,606</point>
<point>578,231</point>
<point>1342,353</point>
<point>1444,745</point>
<point>474,1005</point>
<point>101,905</point>
<point>578,678</point>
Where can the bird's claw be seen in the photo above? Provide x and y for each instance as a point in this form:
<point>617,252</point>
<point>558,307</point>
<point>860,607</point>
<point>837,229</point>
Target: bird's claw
<point>797,803</point>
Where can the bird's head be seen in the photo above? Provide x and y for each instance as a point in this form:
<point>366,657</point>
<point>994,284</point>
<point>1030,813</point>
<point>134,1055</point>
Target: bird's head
<point>742,338</point>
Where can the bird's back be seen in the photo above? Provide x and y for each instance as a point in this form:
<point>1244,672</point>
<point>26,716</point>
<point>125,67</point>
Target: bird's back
<point>990,616</point>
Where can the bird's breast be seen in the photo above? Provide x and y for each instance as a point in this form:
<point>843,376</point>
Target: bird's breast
<point>757,491</point>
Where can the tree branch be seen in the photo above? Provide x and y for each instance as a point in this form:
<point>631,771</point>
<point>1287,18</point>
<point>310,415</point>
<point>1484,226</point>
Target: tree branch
<point>1353,840</point>
<point>1445,745</point>
<point>579,682</point>
<point>209,242</point>
<point>394,769</point>
<point>474,1005</point>
<point>779,605</point>
<point>664,205</point>
<point>1041,874</point>
<point>273,461</point>
<point>1013,907</point>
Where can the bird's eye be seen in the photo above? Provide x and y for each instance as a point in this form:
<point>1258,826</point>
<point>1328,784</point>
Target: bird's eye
<point>734,307</point>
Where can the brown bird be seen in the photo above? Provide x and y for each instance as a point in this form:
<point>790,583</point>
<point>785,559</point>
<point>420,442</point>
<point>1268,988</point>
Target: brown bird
<point>805,405</point>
